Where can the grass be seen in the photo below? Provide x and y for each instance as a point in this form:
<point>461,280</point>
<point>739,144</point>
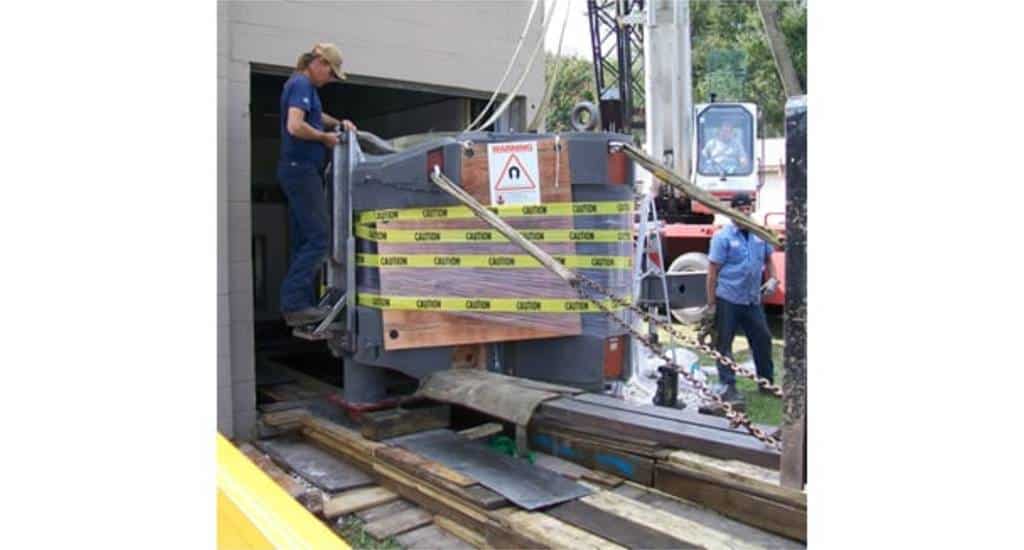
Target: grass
<point>353,530</point>
<point>762,409</point>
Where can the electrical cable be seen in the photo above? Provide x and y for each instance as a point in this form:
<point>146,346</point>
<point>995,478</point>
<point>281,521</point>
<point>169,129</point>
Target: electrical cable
<point>511,63</point>
<point>526,72</point>
<point>538,116</point>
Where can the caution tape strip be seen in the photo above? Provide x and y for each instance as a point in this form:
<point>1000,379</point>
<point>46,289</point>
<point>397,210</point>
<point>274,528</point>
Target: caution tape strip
<point>489,236</point>
<point>499,261</point>
<point>506,211</point>
<point>486,305</point>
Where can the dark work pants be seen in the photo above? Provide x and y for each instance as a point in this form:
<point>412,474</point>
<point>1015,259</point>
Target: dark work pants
<point>751,319</point>
<point>309,225</point>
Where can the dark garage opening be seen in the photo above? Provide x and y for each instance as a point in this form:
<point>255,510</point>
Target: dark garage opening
<point>385,108</point>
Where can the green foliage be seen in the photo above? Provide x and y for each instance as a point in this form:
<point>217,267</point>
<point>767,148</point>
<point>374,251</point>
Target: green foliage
<point>575,83</point>
<point>731,58</point>
<point>353,530</point>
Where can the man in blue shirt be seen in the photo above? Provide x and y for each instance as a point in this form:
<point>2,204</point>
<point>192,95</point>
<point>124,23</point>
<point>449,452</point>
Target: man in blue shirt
<point>738,262</point>
<point>304,146</point>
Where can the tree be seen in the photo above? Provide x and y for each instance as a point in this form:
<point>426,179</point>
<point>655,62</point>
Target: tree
<point>780,52</point>
<point>731,58</point>
<point>575,83</point>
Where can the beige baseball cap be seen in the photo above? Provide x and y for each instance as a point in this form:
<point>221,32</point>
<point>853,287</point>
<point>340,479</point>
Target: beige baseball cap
<point>332,54</point>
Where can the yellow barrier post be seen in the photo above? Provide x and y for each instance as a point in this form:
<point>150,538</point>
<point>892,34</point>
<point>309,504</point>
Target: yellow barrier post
<point>254,512</point>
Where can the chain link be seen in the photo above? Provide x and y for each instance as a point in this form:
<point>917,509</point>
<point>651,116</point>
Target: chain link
<point>702,344</point>
<point>736,418</point>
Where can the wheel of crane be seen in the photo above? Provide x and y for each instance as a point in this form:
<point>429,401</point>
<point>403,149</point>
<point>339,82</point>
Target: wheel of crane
<point>691,261</point>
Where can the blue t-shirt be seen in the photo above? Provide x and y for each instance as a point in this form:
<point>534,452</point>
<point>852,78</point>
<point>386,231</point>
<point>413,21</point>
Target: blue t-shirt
<point>741,259</point>
<point>300,92</point>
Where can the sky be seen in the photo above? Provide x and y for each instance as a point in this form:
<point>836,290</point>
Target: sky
<point>577,31</point>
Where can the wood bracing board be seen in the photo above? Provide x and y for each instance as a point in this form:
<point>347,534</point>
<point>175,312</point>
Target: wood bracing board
<point>417,329</point>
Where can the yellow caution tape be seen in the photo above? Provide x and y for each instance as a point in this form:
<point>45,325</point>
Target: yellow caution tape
<point>500,261</point>
<point>489,236</point>
<point>505,211</point>
<point>486,305</point>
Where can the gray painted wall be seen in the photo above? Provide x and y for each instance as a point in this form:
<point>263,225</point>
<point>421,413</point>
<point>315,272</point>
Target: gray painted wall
<point>465,44</point>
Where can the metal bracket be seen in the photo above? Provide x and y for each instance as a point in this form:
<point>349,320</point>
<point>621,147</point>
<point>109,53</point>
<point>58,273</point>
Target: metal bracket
<point>324,329</point>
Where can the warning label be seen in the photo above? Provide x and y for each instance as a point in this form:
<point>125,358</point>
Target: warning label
<point>514,176</point>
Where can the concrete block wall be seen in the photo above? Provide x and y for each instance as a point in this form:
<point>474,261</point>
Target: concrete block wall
<point>462,43</point>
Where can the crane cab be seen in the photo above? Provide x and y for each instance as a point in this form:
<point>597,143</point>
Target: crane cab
<point>725,161</point>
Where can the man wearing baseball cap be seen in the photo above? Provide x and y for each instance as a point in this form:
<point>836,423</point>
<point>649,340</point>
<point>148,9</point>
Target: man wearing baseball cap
<point>306,136</point>
<point>738,261</point>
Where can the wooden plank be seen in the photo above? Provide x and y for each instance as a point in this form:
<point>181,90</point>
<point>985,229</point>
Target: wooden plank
<point>680,435</point>
<point>601,438</point>
<point>552,532</point>
<point>420,329</point>
<point>602,478</point>
<point>399,523</point>
<point>482,431</point>
<point>356,458</point>
<point>417,463</point>
<point>558,465</point>
<point>497,533</point>
<point>738,475</point>
<point>285,420</point>
<point>707,517</point>
<point>484,497</point>
<point>476,540</point>
<point>379,425</point>
<point>625,465</point>
<point>355,500</point>
<point>384,510</point>
<point>675,526</point>
<point>290,485</point>
<point>613,527</point>
<point>342,435</point>
<point>431,537</point>
<point>729,500</point>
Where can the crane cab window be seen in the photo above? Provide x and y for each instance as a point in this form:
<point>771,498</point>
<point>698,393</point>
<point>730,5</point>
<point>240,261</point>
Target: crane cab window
<point>725,141</point>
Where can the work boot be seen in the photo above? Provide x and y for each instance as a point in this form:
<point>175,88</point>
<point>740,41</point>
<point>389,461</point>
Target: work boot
<point>730,395</point>
<point>304,316</point>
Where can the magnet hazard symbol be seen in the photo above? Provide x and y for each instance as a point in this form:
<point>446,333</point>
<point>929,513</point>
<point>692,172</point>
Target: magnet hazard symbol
<point>514,177</point>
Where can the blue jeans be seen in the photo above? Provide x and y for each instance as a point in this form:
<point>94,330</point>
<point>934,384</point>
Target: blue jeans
<point>751,319</point>
<point>309,225</point>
